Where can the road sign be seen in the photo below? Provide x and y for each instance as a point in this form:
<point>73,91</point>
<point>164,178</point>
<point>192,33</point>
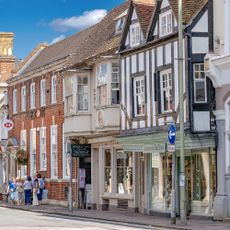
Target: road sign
<point>172,134</point>
<point>8,124</point>
<point>171,148</point>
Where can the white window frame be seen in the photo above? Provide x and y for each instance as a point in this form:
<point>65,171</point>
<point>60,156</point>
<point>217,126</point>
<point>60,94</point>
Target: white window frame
<point>69,108</point>
<point>135,34</point>
<point>135,94</point>
<point>54,89</point>
<point>43,92</point>
<point>15,101</point>
<point>120,25</point>
<point>83,94</point>
<point>32,95</point>
<point>53,161</point>
<point>102,83</point>
<point>43,150</point>
<point>199,80</point>
<point>168,17</point>
<point>115,82</point>
<point>167,89</point>
<point>23,142</point>
<point>23,98</point>
<point>32,151</point>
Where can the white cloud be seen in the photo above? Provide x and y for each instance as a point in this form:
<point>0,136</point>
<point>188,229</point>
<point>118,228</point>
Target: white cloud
<point>88,18</point>
<point>57,39</point>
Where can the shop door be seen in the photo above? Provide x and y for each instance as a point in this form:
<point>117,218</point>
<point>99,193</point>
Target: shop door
<point>142,184</point>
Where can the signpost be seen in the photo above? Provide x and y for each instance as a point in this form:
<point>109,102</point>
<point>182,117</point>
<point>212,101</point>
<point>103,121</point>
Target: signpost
<point>172,149</point>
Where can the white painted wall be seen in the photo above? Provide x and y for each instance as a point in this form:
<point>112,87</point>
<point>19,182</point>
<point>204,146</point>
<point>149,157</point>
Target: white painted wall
<point>160,56</point>
<point>200,45</point>
<point>168,53</point>
<point>134,63</point>
<point>202,25</point>
<point>122,92</point>
<point>128,87</point>
<point>141,62</point>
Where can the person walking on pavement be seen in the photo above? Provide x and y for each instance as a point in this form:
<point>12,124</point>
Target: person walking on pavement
<point>27,190</point>
<point>36,191</point>
<point>41,184</point>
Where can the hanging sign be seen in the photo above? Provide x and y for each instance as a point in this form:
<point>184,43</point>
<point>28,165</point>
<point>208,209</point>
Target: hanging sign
<point>8,124</point>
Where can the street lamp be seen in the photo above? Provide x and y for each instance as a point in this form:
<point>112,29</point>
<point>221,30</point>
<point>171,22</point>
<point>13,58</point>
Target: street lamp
<point>181,101</point>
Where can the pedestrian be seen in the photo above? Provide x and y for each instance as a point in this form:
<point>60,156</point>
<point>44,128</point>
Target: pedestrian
<point>27,190</point>
<point>41,184</point>
<point>36,191</point>
<point>20,190</point>
<point>11,190</point>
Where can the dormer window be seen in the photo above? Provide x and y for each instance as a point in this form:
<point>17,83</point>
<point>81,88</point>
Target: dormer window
<point>135,34</point>
<point>165,23</point>
<point>120,25</point>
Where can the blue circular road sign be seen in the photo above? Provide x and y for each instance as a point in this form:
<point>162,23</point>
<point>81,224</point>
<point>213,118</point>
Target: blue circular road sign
<point>172,134</point>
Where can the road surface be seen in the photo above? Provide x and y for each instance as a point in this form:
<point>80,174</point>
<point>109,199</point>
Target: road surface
<point>11,219</point>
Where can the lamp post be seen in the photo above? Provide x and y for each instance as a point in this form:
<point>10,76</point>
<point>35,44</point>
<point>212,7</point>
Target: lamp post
<point>181,101</point>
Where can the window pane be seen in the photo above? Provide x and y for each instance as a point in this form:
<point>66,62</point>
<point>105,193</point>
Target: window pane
<point>108,172</point>
<point>200,91</point>
<point>124,173</point>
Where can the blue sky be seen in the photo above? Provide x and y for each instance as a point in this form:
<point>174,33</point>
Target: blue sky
<point>36,21</point>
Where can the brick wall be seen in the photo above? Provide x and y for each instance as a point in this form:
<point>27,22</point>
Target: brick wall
<point>46,116</point>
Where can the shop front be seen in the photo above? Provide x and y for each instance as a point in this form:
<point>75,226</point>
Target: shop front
<point>155,173</point>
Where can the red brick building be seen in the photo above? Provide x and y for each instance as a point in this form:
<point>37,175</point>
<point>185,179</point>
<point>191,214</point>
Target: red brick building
<point>36,102</point>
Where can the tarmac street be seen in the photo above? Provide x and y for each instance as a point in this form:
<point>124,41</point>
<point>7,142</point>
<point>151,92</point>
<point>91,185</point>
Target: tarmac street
<point>11,219</point>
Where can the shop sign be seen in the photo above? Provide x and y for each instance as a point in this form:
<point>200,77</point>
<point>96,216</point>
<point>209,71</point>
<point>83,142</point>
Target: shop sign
<point>133,148</point>
<point>8,125</point>
<point>171,148</point>
<point>154,148</point>
<point>79,150</point>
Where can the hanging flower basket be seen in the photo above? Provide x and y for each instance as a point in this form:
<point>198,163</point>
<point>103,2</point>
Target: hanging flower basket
<point>21,157</point>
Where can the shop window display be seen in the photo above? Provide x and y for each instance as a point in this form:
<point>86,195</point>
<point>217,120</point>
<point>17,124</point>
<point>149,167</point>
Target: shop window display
<point>108,171</point>
<point>124,162</point>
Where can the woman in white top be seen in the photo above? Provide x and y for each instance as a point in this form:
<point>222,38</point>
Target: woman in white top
<point>27,190</point>
<point>35,192</point>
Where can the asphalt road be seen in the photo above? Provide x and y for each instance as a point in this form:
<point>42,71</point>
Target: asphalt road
<point>12,219</point>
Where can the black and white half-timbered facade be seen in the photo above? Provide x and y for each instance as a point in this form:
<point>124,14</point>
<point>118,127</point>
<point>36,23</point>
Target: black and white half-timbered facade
<point>150,102</point>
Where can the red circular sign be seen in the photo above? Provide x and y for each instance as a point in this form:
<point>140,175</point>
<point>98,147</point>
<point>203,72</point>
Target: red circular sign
<point>8,124</point>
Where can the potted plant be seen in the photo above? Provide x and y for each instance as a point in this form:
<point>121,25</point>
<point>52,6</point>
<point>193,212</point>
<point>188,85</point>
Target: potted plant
<point>21,157</point>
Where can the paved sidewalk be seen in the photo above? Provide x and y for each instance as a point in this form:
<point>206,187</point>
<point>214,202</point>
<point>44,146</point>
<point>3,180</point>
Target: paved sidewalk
<point>123,217</point>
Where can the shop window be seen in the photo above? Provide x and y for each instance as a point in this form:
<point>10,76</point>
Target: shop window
<point>124,162</point>
<point>139,96</point>
<point>200,91</point>
<point>161,181</point>
<point>108,171</point>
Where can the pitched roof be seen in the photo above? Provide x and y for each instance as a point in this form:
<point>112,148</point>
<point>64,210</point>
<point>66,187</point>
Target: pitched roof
<point>96,39</point>
<point>144,12</point>
<point>190,8</point>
